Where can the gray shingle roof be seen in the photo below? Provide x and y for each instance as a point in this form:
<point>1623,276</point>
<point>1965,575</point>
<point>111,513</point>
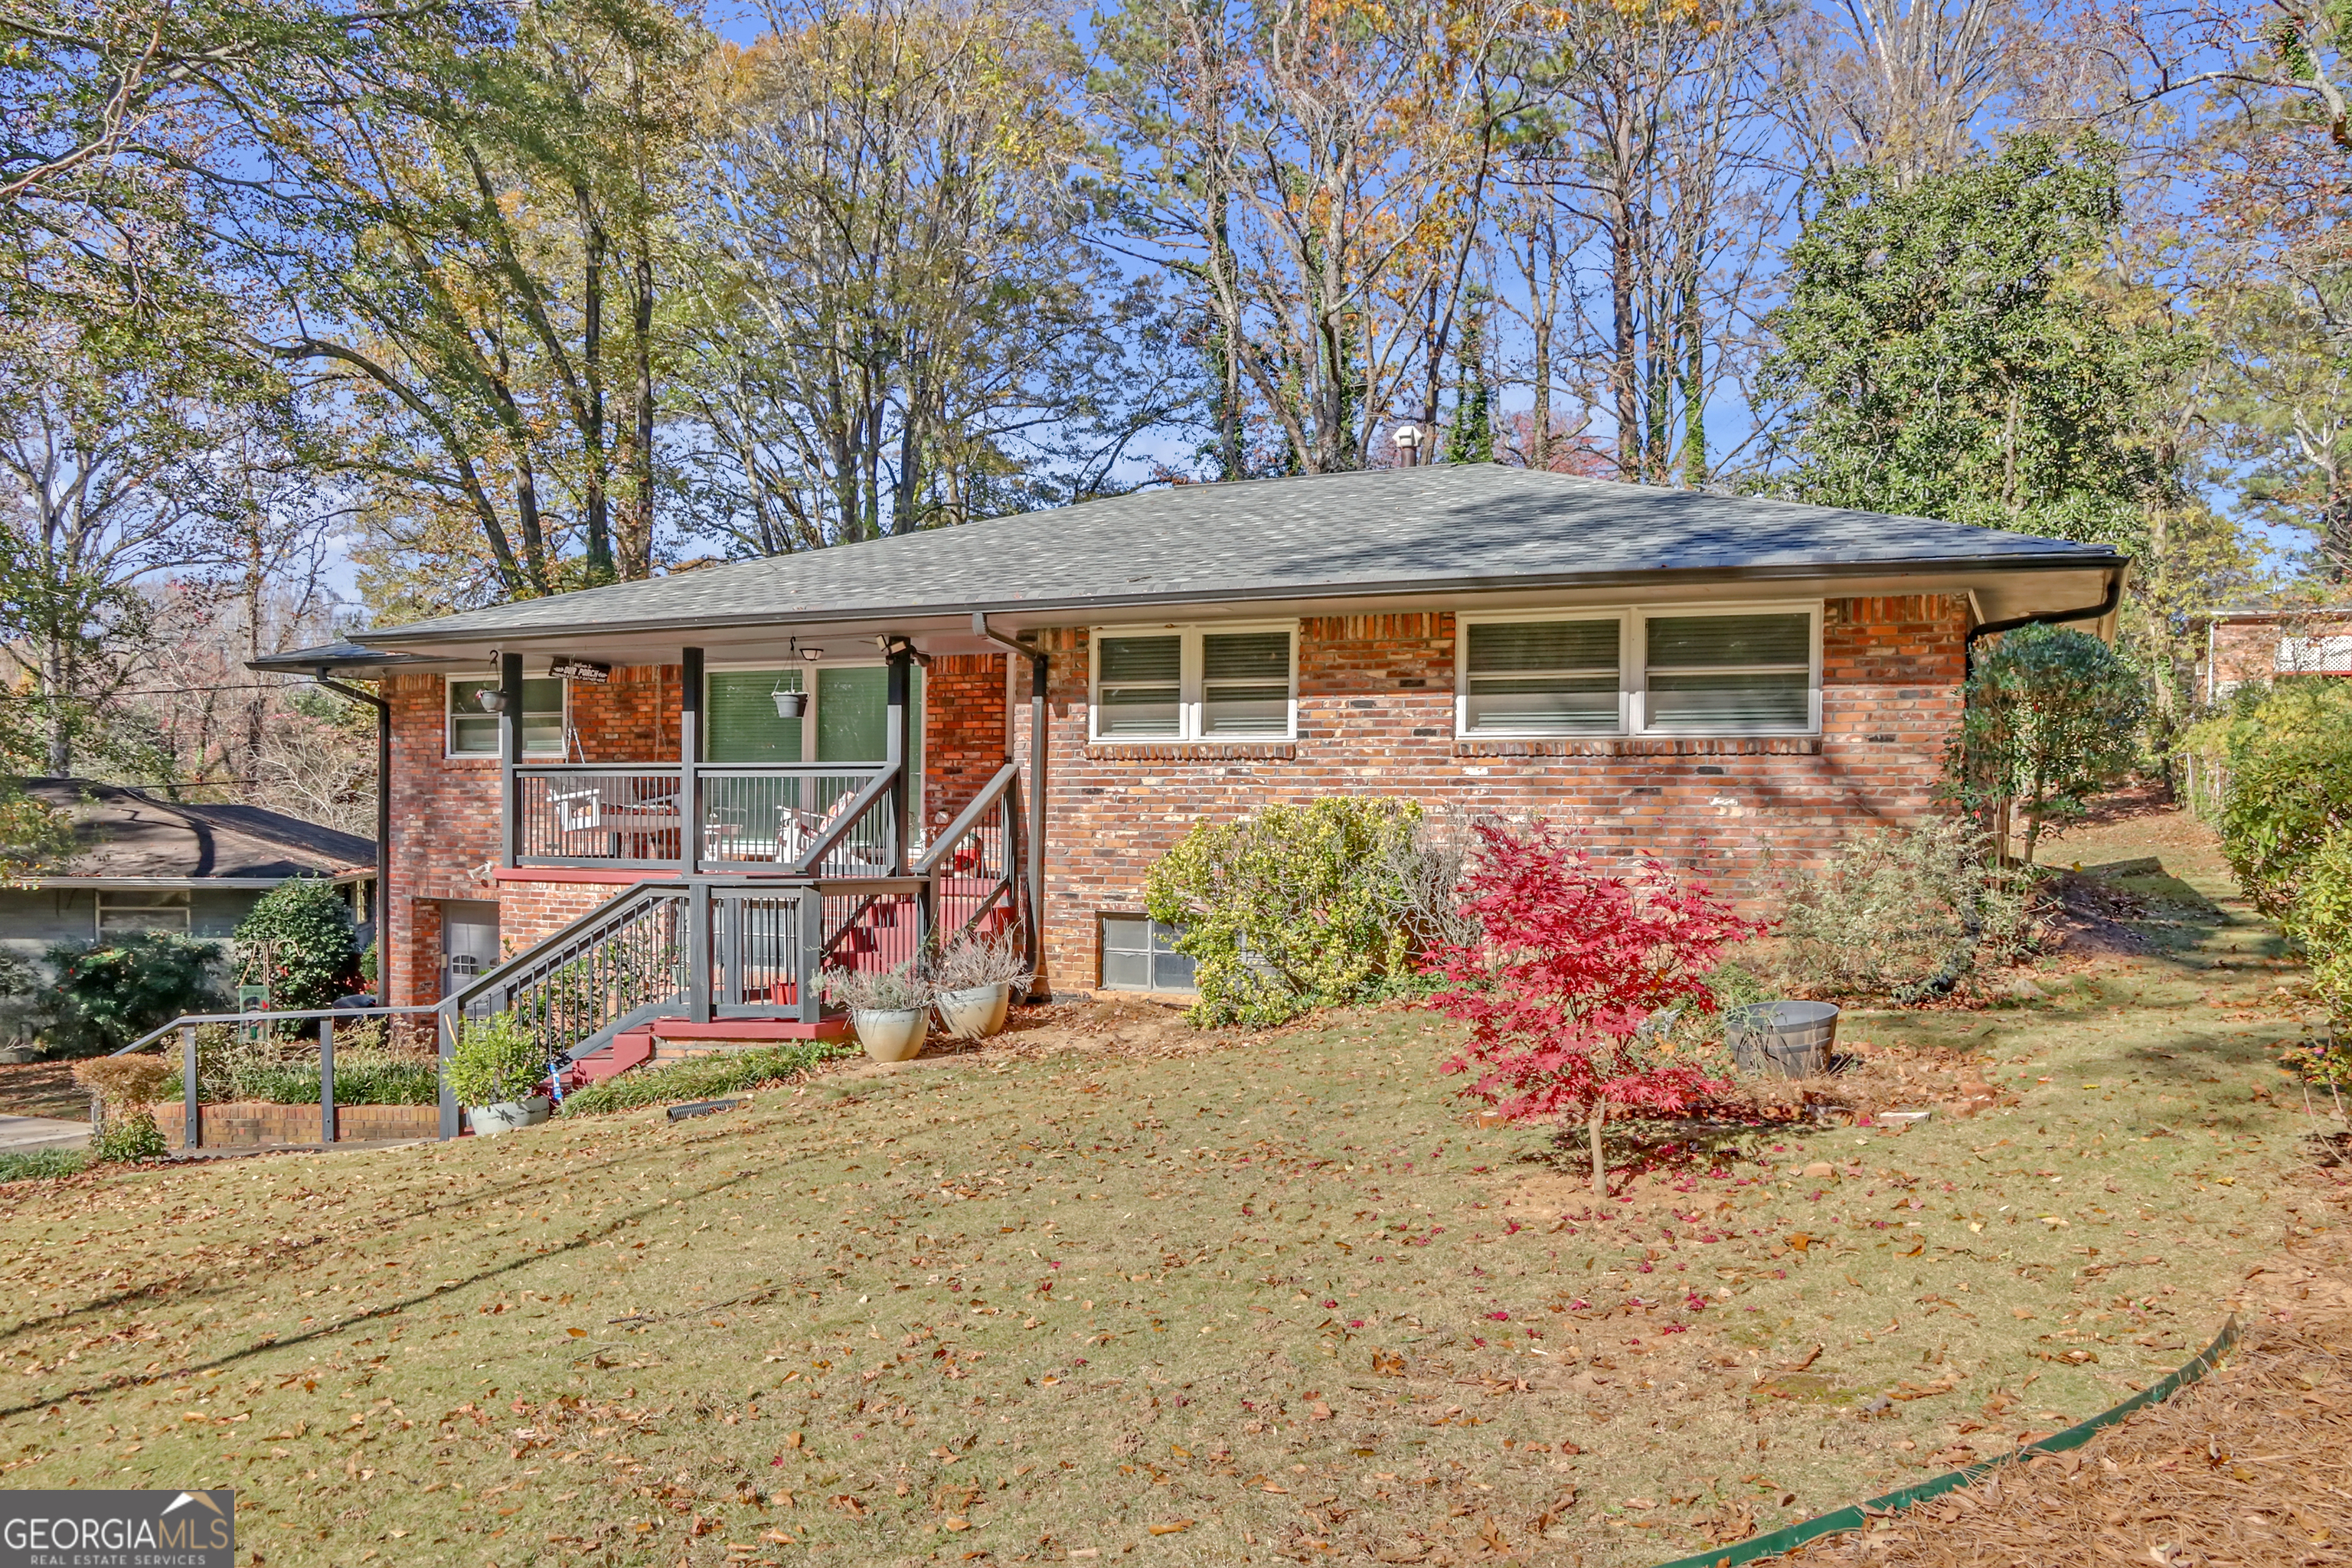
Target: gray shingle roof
<point>1385,530</point>
<point>127,834</point>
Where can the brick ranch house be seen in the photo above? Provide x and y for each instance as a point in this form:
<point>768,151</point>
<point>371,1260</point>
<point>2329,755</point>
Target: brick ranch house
<point>956,727</point>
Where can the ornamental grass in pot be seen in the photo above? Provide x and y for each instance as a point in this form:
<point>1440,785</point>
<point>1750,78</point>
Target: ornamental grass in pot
<point>496,1072</point>
<point>975,976</point>
<point>891,1009</point>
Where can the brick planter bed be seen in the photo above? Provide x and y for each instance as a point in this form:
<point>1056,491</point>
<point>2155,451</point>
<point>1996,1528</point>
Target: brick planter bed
<point>253,1123</point>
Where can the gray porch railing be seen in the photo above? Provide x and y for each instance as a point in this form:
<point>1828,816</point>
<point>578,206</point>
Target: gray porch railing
<point>973,869</point>
<point>191,1090</point>
<point>626,816</point>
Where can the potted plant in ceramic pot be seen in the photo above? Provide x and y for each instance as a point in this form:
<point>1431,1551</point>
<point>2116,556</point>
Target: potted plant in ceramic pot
<point>975,976</point>
<point>891,1009</point>
<point>496,1072</point>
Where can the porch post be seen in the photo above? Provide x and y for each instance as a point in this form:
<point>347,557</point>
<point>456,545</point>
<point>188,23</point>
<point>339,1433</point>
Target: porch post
<point>446,1023</point>
<point>698,952</point>
<point>808,932</point>
<point>689,759</point>
<point>896,751</point>
<point>327,1080</point>
<point>1037,682</point>
<point>510,755</point>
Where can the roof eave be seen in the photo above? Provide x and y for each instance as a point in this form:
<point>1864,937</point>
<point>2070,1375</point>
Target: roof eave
<point>2068,561</point>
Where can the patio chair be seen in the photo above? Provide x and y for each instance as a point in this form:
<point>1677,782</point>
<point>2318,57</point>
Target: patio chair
<point>797,829</point>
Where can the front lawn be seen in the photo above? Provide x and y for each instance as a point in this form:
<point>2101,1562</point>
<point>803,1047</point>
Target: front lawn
<point>1249,1301</point>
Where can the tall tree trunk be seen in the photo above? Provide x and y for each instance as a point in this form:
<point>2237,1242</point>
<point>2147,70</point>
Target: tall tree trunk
<point>1693,389</point>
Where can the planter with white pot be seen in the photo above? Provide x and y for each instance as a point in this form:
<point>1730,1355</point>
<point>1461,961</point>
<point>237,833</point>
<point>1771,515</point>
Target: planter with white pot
<point>489,1121</point>
<point>891,1034</point>
<point>975,1011</point>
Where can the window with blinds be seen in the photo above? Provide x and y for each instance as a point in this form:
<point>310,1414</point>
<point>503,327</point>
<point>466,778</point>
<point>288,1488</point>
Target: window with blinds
<point>740,722</point>
<point>1192,685</point>
<point>1542,678</point>
<point>1245,683</point>
<point>473,731</point>
<point>1139,689</point>
<point>1747,671</point>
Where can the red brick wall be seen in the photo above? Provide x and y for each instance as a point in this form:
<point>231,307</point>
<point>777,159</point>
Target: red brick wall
<point>964,733</point>
<point>1376,717</point>
<point>445,835</point>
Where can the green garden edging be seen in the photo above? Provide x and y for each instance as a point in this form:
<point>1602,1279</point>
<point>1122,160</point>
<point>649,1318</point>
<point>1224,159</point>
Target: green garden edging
<point>1856,1516</point>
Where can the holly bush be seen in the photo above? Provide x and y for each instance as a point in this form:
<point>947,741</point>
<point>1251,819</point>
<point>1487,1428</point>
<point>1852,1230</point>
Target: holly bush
<point>2052,717</point>
<point>109,994</point>
<point>1572,962</point>
<point>1291,908</point>
<point>300,934</point>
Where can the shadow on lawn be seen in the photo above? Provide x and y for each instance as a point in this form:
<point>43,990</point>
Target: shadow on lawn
<point>161,1292</point>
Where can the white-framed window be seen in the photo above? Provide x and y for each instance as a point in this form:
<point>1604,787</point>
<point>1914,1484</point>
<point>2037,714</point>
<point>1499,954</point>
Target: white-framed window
<point>1196,683</point>
<point>474,730</point>
<point>125,910</point>
<point>1139,953</point>
<point>1668,670</point>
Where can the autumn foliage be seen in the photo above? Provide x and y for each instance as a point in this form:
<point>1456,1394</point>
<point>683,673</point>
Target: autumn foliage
<point>1574,960</point>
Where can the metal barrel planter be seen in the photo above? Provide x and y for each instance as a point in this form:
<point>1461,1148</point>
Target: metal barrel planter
<point>1781,1039</point>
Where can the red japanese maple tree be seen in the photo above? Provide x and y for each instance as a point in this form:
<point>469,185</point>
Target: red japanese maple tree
<point>1574,960</point>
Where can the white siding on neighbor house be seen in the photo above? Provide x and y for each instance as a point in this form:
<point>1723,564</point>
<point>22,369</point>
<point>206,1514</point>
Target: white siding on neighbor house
<point>34,918</point>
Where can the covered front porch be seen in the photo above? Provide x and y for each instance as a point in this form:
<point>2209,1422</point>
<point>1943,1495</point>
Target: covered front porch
<point>797,830</point>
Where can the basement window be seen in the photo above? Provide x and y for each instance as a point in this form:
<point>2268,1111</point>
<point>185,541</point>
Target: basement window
<point>1139,953</point>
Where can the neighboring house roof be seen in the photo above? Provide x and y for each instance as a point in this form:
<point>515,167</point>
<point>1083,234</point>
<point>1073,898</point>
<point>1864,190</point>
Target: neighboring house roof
<point>333,656</point>
<point>1397,530</point>
<point>129,836</point>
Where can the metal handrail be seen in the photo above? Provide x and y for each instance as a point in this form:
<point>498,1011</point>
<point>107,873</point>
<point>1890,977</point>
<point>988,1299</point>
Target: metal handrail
<point>848,817</point>
<point>272,1016</point>
<point>990,794</point>
<point>192,1133</point>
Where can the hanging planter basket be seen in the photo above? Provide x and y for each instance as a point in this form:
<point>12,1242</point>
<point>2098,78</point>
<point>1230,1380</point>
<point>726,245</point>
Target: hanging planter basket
<point>790,704</point>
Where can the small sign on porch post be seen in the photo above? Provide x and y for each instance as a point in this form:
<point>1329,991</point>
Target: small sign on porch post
<point>586,672</point>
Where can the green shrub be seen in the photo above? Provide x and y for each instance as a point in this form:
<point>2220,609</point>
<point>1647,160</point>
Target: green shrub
<point>2285,753</point>
<point>2321,922</point>
<point>369,1070</point>
<point>707,1079</point>
<point>127,1139</point>
<point>2053,717</point>
<point>1289,908</point>
<point>297,939</point>
<point>109,994</point>
<point>42,1165</point>
<point>496,1061</point>
<point>1904,913</point>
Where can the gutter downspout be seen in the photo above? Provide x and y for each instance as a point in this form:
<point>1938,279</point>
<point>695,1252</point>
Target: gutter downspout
<point>2099,611</point>
<point>1036,855</point>
<point>383,822</point>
